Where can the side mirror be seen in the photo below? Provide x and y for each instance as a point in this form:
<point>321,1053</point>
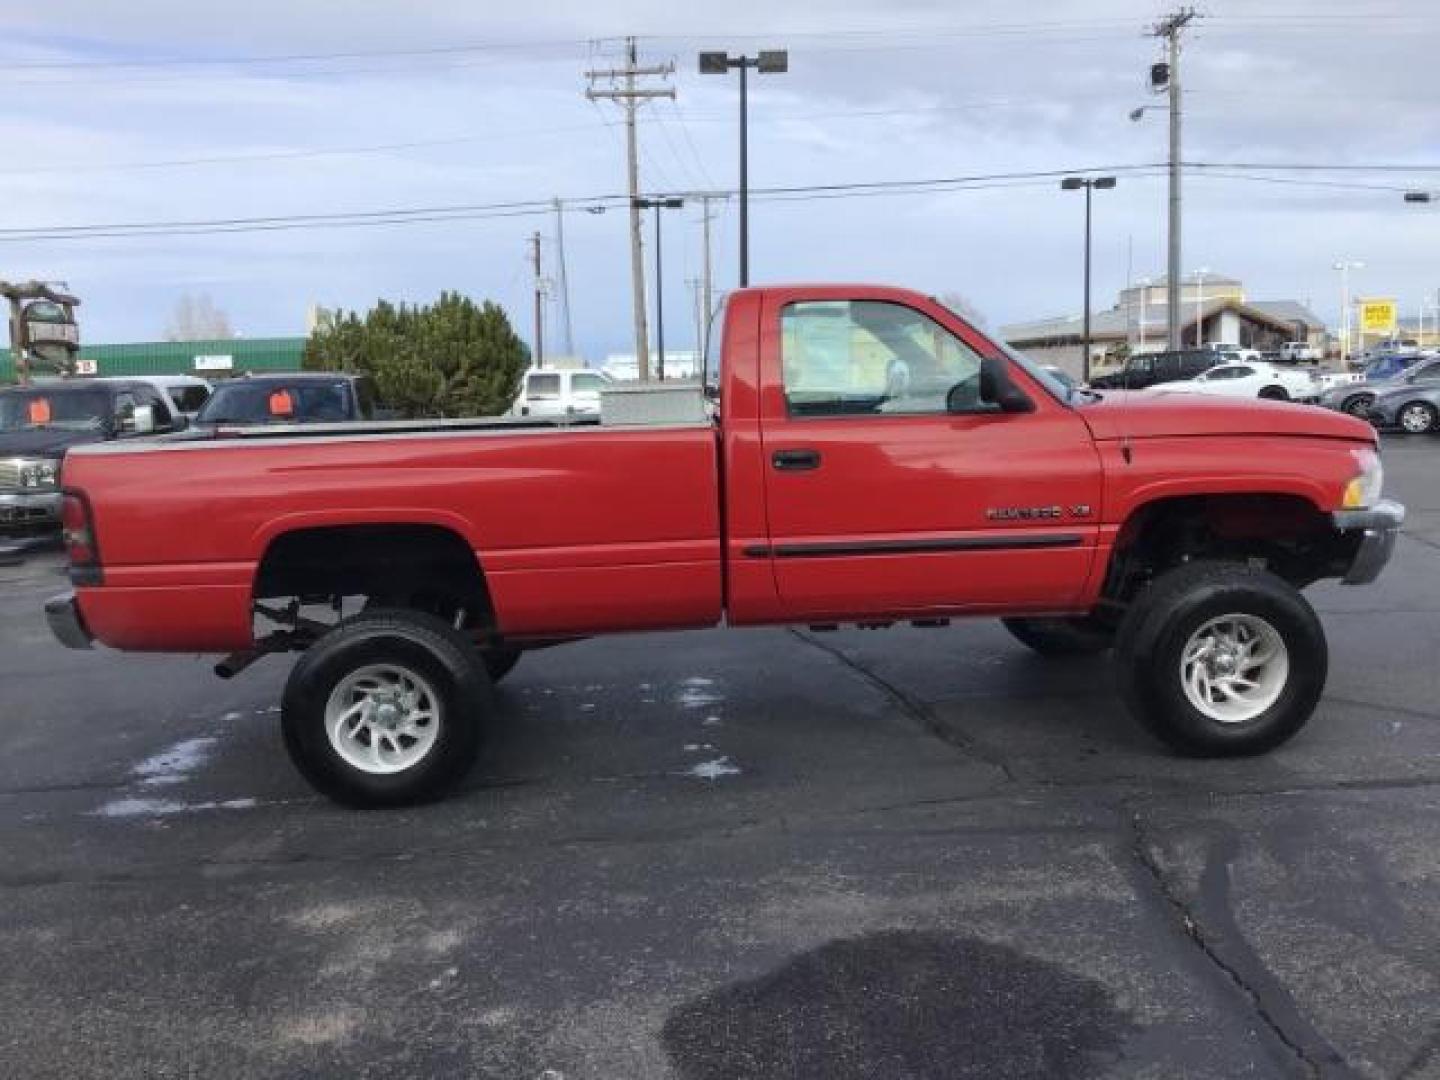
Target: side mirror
<point>998,389</point>
<point>143,420</point>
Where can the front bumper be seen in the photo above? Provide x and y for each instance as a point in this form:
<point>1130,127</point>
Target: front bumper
<point>21,509</point>
<point>66,623</point>
<point>1378,526</point>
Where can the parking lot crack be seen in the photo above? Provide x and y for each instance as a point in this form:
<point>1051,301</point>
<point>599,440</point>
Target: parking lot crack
<point>1209,922</point>
<point>913,707</point>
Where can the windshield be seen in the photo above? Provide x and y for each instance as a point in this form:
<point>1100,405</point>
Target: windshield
<point>271,402</point>
<point>62,410</point>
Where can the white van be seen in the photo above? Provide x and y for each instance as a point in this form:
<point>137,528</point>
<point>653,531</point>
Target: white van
<point>559,392</point>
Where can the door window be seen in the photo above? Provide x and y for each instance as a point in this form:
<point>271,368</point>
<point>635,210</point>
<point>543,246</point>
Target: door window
<point>868,357</point>
<point>586,383</point>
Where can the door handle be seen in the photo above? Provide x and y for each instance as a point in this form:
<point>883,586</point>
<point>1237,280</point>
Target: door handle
<point>795,460</point>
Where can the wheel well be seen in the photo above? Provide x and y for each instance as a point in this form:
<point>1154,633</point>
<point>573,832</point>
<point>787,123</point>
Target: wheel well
<point>426,567</point>
<point>1287,534</point>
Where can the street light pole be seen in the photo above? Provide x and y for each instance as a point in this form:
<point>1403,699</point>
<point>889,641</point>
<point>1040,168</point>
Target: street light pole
<point>659,205</point>
<point>773,61</point>
<point>1072,183</point>
<point>1345,266</point>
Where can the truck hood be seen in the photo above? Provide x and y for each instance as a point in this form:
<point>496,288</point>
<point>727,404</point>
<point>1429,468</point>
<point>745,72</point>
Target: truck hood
<point>44,442</point>
<point>1124,414</point>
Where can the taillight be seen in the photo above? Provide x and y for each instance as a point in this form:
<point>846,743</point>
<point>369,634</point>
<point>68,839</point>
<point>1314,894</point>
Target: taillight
<point>79,537</point>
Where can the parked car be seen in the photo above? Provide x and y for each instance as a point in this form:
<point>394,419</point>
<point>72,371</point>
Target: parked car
<point>1386,373</point>
<point>560,392</point>
<point>1253,380</point>
<point>1179,531</point>
<point>1296,352</point>
<point>187,393</point>
<point>41,423</point>
<point>311,397</point>
<point>1147,369</point>
<point>1411,406</point>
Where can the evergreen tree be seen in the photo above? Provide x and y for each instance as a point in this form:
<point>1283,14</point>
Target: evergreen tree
<point>450,358</point>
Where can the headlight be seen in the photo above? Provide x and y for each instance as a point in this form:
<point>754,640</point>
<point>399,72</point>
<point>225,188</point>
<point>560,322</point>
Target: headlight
<point>39,474</point>
<point>1364,490</point>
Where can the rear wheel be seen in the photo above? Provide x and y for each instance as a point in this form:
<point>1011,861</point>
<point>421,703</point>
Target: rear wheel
<point>499,660</point>
<point>386,708</point>
<point>1417,418</point>
<point>1221,659</point>
<point>1074,636</point>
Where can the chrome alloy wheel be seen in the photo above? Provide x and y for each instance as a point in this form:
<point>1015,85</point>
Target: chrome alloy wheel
<point>382,719</point>
<point>1417,419</point>
<point>1234,668</point>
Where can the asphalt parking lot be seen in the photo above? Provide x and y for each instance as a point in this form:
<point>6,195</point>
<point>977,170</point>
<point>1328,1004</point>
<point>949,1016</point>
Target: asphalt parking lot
<point>912,853</point>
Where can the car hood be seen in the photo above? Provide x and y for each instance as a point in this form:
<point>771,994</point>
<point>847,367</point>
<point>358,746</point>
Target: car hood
<point>1138,415</point>
<point>44,442</point>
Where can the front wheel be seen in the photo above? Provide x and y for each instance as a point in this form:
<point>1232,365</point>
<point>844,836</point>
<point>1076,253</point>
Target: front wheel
<point>1221,659</point>
<point>1358,406</point>
<point>385,709</point>
<point>1075,636</point>
<point>1275,393</point>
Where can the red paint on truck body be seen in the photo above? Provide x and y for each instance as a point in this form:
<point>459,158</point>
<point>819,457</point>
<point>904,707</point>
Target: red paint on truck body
<point>584,531</point>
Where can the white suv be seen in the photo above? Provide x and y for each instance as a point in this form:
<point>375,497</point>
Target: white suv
<point>559,392</point>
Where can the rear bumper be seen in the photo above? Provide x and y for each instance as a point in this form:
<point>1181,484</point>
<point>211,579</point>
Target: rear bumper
<point>1378,526</point>
<point>66,623</point>
<point>29,509</point>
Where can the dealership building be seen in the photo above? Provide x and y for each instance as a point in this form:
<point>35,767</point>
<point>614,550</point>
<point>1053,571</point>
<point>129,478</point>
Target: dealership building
<point>1212,309</point>
<point>208,359</point>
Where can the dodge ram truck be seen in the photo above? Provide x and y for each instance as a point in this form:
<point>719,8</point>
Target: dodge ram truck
<point>856,455</point>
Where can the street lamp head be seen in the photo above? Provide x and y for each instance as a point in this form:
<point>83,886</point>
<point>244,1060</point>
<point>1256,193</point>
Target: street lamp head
<point>1138,113</point>
<point>1418,196</point>
<point>773,61</point>
<point>1105,182</point>
<point>1072,183</point>
<point>714,63</point>
<point>672,203</point>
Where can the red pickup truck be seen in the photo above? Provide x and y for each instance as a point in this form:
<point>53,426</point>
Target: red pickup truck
<point>861,455</point>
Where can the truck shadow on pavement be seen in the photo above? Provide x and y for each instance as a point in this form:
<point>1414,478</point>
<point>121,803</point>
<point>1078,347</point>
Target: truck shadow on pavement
<point>902,1003</point>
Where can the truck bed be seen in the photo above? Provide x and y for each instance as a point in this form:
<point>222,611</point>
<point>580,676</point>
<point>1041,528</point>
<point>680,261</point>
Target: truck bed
<point>578,528</point>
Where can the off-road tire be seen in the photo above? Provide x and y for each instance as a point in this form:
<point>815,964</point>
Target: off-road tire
<point>422,643</point>
<point>500,660</point>
<point>1162,619</point>
<point>1081,635</point>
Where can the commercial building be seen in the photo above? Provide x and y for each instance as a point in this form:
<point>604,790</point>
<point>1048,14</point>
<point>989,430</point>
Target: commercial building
<point>1213,308</point>
<point>208,359</point>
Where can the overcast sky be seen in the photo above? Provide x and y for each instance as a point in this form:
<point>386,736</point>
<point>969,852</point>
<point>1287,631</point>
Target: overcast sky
<point>115,114</point>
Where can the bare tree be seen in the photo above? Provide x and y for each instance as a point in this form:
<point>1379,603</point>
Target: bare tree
<point>196,318</point>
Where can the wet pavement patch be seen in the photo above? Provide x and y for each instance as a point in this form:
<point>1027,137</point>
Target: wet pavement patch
<point>902,1003</point>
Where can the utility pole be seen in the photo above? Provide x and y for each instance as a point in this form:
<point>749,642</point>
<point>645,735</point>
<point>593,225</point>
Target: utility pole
<point>539,302</point>
<point>564,277</point>
<point>1169,28</point>
<point>624,89</point>
<point>707,300</point>
<point>696,302</point>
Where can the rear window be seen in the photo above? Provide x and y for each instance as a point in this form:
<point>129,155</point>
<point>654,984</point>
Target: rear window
<point>276,402</point>
<point>188,399</point>
<point>60,409</point>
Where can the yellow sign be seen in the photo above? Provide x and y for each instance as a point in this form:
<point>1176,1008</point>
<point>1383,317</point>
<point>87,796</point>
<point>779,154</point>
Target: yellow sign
<point>1377,316</point>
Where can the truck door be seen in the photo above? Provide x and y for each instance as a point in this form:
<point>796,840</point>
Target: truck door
<point>892,489</point>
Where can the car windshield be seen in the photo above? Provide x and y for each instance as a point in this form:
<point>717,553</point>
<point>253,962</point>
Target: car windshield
<point>269,402</point>
<point>59,409</point>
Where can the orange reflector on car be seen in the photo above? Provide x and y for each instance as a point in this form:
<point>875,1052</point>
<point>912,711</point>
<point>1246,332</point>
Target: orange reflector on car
<point>40,411</point>
<point>282,404</point>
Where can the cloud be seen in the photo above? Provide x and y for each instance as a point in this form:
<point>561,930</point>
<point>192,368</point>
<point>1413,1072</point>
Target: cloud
<point>919,89</point>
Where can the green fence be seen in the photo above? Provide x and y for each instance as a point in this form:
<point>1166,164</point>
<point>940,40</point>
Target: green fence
<point>204,358</point>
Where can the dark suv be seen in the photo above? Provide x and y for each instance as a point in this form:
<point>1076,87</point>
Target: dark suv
<point>40,422</point>
<point>1150,369</point>
<point>310,397</point>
